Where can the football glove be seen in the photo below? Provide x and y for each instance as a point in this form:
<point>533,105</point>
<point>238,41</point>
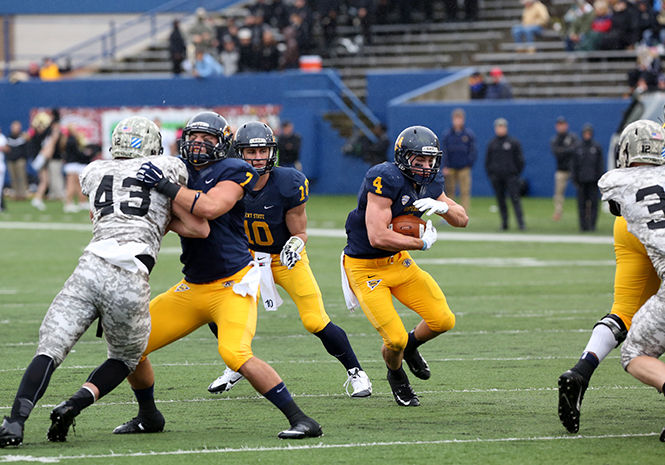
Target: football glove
<point>432,206</point>
<point>429,236</point>
<point>151,176</point>
<point>290,254</point>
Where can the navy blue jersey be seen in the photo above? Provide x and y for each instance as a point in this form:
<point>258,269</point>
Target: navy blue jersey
<point>225,251</point>
<point>265,210</point>
<point>385,180</point>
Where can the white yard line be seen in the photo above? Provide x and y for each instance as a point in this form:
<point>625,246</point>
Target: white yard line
<point>319,446</point>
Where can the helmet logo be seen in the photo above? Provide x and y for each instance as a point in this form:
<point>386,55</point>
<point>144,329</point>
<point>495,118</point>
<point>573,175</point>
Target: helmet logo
<point>430,149</point>
<point>136,142</point>
<point>200,124</point>
<point>126,128</point>
<point>257,141</point>
<point>398,143</point>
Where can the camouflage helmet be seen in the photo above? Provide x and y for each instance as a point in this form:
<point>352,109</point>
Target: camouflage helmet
<point>642,141</point>
<point>136,137</point>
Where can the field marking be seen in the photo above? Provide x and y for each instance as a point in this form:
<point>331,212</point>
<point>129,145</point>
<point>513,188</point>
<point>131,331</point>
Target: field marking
<point>340,233</point>
<point>319,446</point>
<point>517,262</point>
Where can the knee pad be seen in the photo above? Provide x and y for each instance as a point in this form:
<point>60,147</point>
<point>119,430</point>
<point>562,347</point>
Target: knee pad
<point>443,325</point>
<point>314,323</point>
<point>397,344</point>
<point>234,359</point>
<point>616,325</point>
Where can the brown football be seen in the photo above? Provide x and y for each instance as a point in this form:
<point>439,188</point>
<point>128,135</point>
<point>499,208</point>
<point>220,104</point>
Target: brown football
<point>408,225</point>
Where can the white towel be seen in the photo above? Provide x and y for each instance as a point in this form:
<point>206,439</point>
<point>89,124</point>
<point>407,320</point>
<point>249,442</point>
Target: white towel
<point>269,295</point>
<point>123,256</point>
<point>349,297</point>
<point>249,284</point>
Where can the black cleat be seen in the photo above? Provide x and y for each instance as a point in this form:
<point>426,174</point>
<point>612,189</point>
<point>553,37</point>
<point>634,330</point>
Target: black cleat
<point>142,424</point>
<point>62,416</point>
<point>417,364</point>
<point>403,393</point>
<point>662,435</point>
<point>572,387</point>
<point>11,433</point>
<point>306,428</point>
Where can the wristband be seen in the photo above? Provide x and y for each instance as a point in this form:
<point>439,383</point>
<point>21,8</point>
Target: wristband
<point>168,188</point>
<point>424,245</point>
<point>196,197</point>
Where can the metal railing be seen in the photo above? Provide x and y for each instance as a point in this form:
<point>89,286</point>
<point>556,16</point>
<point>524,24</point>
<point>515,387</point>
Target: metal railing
<point>120,37</point>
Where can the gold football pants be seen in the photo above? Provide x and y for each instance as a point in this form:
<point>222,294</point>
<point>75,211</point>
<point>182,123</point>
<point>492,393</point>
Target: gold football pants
<point>375,281</point>
<point>187,306</point>
<point>635,279</point>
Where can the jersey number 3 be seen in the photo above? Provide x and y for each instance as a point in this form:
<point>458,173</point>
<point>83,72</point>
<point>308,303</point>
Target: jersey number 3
<point>654,207</point>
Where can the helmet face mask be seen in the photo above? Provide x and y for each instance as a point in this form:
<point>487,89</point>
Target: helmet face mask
<point>136,137</point>
<point>642,141</point>
<point>202,150</point>
<point>256,135</point>
<point>413,146</point>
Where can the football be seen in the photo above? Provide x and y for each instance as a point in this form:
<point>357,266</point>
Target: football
<point>408,225</point>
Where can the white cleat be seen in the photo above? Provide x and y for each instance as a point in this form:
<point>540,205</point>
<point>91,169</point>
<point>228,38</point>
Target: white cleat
<point>225,382</point>
<point>360,383</point>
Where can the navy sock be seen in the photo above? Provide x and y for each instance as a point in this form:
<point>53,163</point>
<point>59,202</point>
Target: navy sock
<point>412,343</point>
<point>108,376</point>
<point>586,365</point>
<point>33,385</point>
<point>82,399</point>
<point>281,398</point>
<point>337,344</point>
<point>146,399</point>
<point>398,375</point>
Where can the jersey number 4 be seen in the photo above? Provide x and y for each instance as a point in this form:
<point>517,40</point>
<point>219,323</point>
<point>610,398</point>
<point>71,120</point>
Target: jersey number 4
<point>659,192</point>
<point>104,197</point>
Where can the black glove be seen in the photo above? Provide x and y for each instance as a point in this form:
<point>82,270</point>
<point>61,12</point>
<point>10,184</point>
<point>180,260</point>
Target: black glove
<point>151,176</point>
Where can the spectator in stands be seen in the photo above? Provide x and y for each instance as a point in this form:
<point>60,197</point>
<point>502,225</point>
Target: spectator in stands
<point>177,48</point>
<point>535,18</point>
<point>470,10</point>
<point>17,159</point>
<point>49,70</point>
<point>460,153</point>
<point>477,86</point>
<point>499,87</point>
<point>588,167</point>
<point>600,26</point>
<point>504,163</point>
<point>33,70</point>
<point>329,30</point>
<point>205,65</point>
<point>201,35</point>
<point>288,147</point>
<point>229,57</point>
<point>563,146</point>
<point>4,149</point>
<point>650,30</point>
<point>268,53</point>
<point>247,55</point>
<point>624,32</point>
<point>577,22</point>
<point>41,148</point>
<point>645,75</point>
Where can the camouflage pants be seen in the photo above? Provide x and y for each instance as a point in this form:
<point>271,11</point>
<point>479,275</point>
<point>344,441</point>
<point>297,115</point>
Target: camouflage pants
<point>97,289</point>
<point>647,333</point>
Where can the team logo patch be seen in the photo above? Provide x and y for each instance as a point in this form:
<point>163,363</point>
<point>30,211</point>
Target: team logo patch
<point>257,141</point>
<point>136,142</point>
<point>407,263</point>
<point>405,199</point>
<point>430,149</point>
<point>373,283</point>
<point>228,283</point>
<point>126,129</point>
<point>182,287</point>
<point>656,136</point>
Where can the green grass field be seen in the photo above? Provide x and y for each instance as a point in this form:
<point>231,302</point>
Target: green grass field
<point>525,303</point>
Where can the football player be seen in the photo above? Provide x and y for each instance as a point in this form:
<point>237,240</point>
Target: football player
<point>377,263</point>
<point>636,190</point>
<point>221,279</point>
<point>110,281</point>
<point>635,278</point>
<point>276,227</point>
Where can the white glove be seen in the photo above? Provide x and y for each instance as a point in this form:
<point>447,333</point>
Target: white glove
<point>290,254</point>
<point>433,206</point>
<point>429,236</point>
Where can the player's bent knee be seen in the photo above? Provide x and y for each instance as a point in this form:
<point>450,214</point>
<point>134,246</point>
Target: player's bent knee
<point>234,359</point>
<point>616,325</point>
<point>443,324</point>
<point>314,323</point>
<point>396,343</point>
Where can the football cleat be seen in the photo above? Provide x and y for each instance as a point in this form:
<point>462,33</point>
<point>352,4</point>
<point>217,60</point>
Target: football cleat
<point>62,417</point>
<point>225,382</point>
<point>142,424</point>
<point>417,364</point>
<point>360,383</point>
<point>305,428</point>
<point>403,393</point>
<point>572,387</point>
<point>662,436</point>
<point>11,433</point>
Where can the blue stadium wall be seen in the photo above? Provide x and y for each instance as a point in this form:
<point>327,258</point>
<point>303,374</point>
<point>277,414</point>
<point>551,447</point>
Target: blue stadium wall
<point>305,99</point>
<point>75,7</point>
